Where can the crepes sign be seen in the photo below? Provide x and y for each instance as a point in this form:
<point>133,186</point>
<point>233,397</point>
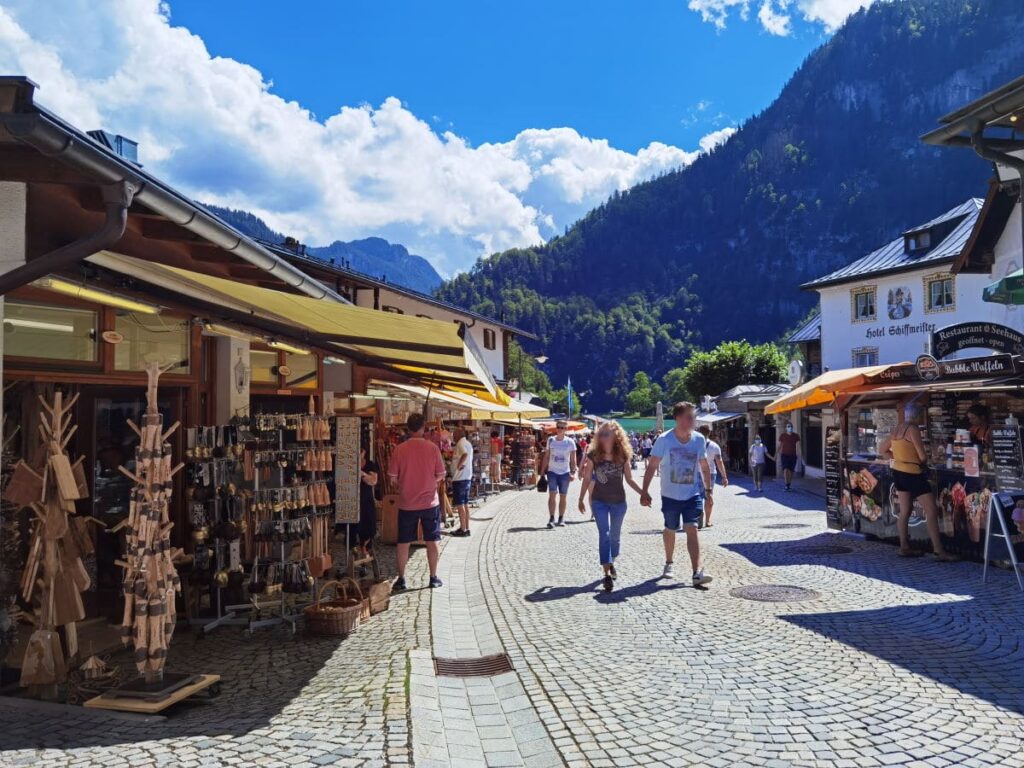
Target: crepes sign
<point>954,338</point>
<point>927,369</point>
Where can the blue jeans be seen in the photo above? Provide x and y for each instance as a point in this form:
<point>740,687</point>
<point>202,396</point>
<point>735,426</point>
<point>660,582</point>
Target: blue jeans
<point>609,519</point>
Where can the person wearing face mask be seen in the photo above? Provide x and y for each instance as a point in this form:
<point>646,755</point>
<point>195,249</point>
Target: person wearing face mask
<point>789,453</point>
<point>757,453</point>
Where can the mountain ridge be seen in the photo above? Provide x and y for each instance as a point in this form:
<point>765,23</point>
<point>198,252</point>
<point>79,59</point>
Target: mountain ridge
<point>373,256</point>
<point>717,250</point>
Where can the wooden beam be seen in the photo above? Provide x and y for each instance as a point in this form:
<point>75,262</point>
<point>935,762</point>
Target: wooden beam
<point>20,163</point>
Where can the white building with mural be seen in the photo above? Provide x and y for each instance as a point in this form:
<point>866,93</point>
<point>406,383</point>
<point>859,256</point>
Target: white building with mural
<point>883,307</point>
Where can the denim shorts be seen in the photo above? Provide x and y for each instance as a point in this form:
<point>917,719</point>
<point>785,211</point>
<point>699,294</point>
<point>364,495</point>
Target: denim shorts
<point>408,525</point>
<point>690,511</point>
<point>460,491</point>
<point>558,483</point>
<point>788,462</point>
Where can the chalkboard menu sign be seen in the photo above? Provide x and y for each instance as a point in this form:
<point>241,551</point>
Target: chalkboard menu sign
<point>833,477</point>
<point>1006,453</point>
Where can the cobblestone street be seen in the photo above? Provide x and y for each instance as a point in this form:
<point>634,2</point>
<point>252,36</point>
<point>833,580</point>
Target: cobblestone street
<point>894,662</point>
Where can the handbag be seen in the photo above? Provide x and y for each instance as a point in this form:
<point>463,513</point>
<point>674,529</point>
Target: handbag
<point>542,485</point>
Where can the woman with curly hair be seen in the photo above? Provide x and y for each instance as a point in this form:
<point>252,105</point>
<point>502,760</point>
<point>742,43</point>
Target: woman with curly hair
<point>605,475</point>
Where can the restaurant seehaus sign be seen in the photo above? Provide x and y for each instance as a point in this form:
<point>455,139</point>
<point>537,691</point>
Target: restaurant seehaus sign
<point>954,338</point>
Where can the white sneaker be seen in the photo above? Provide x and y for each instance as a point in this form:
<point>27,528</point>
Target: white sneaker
<point>668,573</point>
<point>700,579</point>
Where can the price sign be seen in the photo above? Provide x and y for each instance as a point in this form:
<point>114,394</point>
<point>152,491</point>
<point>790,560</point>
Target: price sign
<point>1008,458</point>
<point>833,476</point>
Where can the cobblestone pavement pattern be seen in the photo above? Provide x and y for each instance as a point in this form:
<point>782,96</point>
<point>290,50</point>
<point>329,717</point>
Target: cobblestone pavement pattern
<point>897,662</point>
<point>300,702</point>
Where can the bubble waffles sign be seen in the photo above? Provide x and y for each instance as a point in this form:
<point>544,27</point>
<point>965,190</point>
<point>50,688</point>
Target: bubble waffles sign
<point>953,338</point>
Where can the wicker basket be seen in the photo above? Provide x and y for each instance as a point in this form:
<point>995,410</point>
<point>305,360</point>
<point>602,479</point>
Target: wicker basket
<point>379,593</point>
<point>337,617</point>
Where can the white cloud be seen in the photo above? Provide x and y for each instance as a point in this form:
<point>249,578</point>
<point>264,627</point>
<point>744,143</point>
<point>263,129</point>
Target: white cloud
<point>775,16</point>
<point>716,138</point>
<point>213,127</point>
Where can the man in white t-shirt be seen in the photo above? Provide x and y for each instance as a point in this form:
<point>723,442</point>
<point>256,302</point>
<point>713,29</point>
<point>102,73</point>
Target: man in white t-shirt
<point>717,466</point>
<point>462,477</point>
<point>559,466</point>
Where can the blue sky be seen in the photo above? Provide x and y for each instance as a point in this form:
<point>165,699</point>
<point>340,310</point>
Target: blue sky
<point>630,72</point>
<point>457,128</point>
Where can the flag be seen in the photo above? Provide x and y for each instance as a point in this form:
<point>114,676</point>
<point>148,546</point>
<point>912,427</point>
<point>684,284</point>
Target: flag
<point>569,397</point>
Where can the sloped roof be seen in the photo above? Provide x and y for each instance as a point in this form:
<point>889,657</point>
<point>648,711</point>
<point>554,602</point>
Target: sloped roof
<point>893,257</point>
<point>809,331</point>
<point>755,390</point>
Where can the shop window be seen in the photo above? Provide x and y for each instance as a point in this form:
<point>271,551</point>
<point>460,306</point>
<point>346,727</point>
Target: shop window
<point>302,371</point>
<point>263,367</point>
<point>940,293</point>
<point>49,333</point>
<point>863,304</point>
<point>148,339</point>
<point>864,356</point>
<point>490,339</point>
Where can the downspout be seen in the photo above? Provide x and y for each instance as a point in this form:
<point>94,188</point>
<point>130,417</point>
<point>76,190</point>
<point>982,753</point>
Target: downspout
<point>116,199</point>
<point>1017,163</point>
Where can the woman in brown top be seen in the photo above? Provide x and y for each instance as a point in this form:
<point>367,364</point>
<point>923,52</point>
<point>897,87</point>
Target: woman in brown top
<point>605,474</point>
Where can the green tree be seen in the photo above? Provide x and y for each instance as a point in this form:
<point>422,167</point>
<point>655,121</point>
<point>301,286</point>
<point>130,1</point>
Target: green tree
<point>644,395</point>
<point>522,365</point>
<point>675,385</point>
<point>727,365</point>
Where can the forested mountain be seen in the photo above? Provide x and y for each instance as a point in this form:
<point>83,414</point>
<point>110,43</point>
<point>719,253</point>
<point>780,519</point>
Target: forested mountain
<point>372,255</point>
<point>717,250</point>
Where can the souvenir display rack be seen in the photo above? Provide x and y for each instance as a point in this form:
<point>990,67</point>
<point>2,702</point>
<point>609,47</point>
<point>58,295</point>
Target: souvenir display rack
<point>288,463</point>
<point>521,454</point>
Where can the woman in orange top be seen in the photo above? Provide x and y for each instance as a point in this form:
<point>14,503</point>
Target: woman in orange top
<point>908,464</point>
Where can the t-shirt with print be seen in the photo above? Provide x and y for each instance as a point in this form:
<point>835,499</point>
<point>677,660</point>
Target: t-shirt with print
<point>559,453</point>
<point>787,443</point>
<point>714,452</point>
<point>462,448</point>
<point>681,477</point>
<point>418,467</point>
<point>757,453</point>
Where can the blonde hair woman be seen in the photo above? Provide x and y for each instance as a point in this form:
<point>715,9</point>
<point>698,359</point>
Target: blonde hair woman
<point>605,474</point>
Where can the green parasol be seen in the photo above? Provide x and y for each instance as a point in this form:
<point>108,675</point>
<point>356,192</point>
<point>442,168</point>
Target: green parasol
<point>1009,290</point>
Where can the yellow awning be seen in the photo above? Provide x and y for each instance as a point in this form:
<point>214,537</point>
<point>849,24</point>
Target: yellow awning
<point>433,351</point>
<point>823,389</point>
<point>481,407</point>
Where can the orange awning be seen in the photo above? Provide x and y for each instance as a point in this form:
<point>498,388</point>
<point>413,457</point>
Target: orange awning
<point>823,389</point>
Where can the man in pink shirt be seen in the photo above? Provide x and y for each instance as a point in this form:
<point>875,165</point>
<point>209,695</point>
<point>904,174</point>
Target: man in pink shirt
<point>417,467</point>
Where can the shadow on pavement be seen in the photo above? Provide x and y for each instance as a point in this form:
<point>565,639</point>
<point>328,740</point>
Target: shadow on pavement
<point>526,528</point>
<point>871,560</point>
<point>546,594</point>
<point>642,589</point>
<point>943,641</point>
<point>971,640</point>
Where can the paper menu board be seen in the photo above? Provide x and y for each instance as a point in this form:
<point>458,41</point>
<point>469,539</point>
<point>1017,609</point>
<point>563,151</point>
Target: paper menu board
<point>1008,459</point>
<point>346,469</point>
<point>833,477</point>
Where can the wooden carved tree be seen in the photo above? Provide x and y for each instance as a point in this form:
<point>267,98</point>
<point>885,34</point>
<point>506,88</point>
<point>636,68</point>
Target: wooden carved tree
<point>151,580</point>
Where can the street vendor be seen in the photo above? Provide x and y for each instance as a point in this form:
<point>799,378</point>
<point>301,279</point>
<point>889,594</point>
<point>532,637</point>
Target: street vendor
<point>978,417</point>
<point>905,449</point>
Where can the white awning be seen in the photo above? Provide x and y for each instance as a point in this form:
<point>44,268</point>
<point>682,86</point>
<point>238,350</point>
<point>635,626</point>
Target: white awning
<point>717,417</point>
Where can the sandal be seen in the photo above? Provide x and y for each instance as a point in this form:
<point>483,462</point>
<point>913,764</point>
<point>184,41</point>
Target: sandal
<point>910,553</point>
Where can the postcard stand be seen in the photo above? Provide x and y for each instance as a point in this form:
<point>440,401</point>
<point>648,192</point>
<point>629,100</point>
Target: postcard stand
<point>997,511</point>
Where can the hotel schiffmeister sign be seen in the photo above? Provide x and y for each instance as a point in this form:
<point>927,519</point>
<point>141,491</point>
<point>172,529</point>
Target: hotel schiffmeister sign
<point>953,338</point>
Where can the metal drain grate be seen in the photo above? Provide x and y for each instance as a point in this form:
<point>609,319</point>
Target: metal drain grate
<point>821,549</point>
<point>774,593</point>
<point>786,525</point>
<point>485,666</point>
